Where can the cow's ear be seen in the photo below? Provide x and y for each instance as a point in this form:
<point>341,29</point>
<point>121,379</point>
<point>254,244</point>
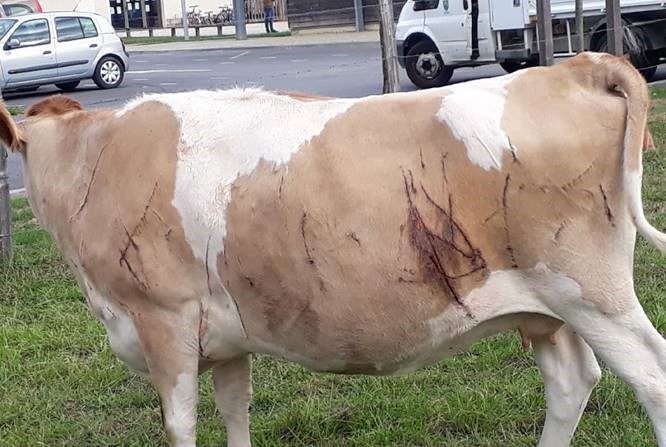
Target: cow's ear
<point>10,134</point>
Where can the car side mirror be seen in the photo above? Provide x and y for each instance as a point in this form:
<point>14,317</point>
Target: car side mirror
<point>12,43</point>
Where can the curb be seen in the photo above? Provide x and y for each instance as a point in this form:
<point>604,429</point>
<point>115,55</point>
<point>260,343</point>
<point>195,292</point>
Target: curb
<point>253,47</point>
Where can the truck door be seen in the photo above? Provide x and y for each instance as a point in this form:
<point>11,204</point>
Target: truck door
<point>448,22</point>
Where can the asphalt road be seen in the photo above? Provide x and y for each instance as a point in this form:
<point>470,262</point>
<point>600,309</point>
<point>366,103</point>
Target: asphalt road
<point>346,70</point>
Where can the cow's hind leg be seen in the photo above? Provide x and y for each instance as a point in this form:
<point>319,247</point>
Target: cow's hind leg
<point>233,391</point>
<point>569,371</point>
<point>620,333</point>
<point>171,352</point>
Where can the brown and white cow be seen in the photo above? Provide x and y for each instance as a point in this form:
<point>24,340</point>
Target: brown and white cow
<point>372,235</point>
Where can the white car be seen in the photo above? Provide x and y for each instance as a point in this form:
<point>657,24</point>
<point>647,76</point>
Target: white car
<point>60,48</point>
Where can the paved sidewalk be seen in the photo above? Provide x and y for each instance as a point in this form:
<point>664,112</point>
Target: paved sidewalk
<point>255,42</point>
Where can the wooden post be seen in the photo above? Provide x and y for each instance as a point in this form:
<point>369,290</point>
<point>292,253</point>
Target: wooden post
<point>580,29</point>
<point>545,29</point>
<point>358,15</point>
<point>5,210</point>
<point>614,31</point>
<point>144,19</point>
<point>388,45</point>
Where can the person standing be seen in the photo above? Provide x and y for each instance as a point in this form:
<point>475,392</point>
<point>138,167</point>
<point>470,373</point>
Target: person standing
<point>269,14</point>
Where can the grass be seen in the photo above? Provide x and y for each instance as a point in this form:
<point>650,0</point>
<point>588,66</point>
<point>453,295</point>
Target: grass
<point>60,385</point>
<point>15,110</point>
<point>169,39</point>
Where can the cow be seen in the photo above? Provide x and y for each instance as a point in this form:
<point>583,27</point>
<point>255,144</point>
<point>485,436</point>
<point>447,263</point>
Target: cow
<point>358,236</point>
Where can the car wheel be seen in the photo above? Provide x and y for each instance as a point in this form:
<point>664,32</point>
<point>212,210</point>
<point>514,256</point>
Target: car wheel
<point>511,66</point>
<point>68,86</point>
<point>109,73</point>
<point>425,67</point>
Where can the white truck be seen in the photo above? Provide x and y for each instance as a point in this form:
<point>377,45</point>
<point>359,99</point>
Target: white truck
<point>436,36</point>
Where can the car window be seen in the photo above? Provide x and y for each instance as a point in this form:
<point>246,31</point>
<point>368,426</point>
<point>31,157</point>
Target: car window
<point>17,10</point>
<point>6,25</point>
<point>32,32</point>
<point>68,28</point>
<point>73,28</point>
<point>89,28</point>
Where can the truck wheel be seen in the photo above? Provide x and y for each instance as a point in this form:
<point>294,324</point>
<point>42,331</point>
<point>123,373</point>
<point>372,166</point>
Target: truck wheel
<point>511,66</point>
<point>425,67</point>
<point>636,51</point>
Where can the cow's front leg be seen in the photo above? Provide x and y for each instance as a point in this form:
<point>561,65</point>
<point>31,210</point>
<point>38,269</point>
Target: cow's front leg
<point>171,347</point>
<point>570,371</point>
<point>233,392</point>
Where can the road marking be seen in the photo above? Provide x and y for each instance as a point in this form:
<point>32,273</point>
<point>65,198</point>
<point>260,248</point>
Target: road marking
<point>268,57</point>
<point>168,83</point>
<point>174,70</point>
<point>239,55</point>
<point>227,63</point>
<point>200,60</point>
<point>218,78</point>
<point>140,62</point>
<point>299,60</point>
<point>17,191</point>
<point>140,79</point>
<point>339,55</point>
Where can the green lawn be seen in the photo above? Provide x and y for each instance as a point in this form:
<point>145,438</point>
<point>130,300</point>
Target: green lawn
<point>168,39</point>
<point>60,385</point>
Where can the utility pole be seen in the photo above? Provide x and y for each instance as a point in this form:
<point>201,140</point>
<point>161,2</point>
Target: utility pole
<point>144,19</point>
<point>545,32</point>
<point>614,31</point>
<point>126,17</point>
<point>239,19</point>
<point>186,28</point>
<point>358,15</point>
<point>389,50</point>
<point>5,210</point>
<point>580,29</point>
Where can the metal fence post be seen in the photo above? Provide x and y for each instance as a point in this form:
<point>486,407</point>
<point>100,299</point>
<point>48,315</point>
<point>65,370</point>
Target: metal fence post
<point>5,210</point>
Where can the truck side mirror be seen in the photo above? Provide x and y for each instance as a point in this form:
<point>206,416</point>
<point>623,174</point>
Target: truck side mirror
<point>12,43</point>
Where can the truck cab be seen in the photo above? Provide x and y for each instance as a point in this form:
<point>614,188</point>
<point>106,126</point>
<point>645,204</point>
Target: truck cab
<point>434,37</point>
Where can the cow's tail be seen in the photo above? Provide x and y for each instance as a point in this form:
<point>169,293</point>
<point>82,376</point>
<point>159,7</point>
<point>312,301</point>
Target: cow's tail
<point>636,138</point>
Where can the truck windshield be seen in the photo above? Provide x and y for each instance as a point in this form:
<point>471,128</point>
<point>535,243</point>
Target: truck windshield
<point>5,25</point>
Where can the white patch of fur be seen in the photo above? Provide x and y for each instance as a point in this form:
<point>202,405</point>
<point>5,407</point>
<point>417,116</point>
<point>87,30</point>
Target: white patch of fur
<point>182,420</point>
<point>120,329</point>
<point>632,184</point>
<point>473,111</point>
<point>504,293</point>
<point>224,135</point>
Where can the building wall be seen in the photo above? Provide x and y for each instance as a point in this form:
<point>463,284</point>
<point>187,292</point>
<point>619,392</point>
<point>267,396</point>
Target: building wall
<point>97,6</point>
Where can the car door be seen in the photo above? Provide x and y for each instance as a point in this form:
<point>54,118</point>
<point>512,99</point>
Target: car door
<point>78,44</point>
<point>28,54</point>
<point>448,20</point>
